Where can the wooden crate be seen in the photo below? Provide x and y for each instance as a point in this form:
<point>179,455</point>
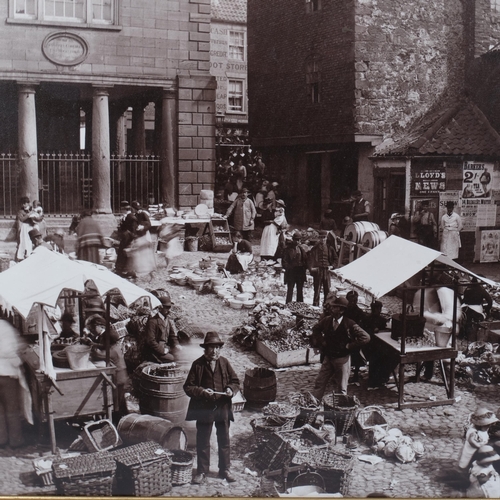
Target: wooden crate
<point>281,359</point>
<point>220,228</point>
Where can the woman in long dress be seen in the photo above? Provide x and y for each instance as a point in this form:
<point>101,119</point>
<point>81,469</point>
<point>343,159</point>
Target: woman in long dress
<point>271,233</point>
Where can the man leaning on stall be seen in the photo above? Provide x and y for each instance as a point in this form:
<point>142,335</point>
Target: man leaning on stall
<point>160,335</point>
<point>336,337</point>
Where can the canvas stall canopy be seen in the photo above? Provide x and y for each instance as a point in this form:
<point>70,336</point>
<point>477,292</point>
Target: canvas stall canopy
<point>42,277</point>
<point>391,263</point>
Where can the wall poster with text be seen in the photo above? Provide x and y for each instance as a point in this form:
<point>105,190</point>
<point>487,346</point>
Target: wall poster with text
<point>477,180</point>
<point>490,246</point>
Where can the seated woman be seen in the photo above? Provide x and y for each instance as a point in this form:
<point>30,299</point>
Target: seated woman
<point>241,256</point>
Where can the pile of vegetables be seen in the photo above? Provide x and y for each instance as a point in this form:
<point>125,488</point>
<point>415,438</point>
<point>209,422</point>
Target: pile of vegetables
<point>392,443</point>
<point>479,363</point>
<point>276,326</point>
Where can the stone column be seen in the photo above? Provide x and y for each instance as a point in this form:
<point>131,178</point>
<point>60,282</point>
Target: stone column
<point>138,129</point>
<point>168,152</point>
<point>27,142</point>
<point>101,182</point>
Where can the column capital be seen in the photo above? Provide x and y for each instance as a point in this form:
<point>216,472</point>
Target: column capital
<point>25,86</point>
<point>169,92</point>
<point>101,89</point>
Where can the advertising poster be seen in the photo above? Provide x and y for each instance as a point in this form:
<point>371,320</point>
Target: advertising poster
<point>477,180</point>
<point>490,247</point>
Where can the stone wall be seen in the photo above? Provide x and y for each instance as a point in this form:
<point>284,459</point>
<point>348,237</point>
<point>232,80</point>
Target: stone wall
<point>382,64</point>
<point>409,54</point>
<point>196,138</point>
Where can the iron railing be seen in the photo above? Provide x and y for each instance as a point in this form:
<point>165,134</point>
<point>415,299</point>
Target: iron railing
<point>65,182</point>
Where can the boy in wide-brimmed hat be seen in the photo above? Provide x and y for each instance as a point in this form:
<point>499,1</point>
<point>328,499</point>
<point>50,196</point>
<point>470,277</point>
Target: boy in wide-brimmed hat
<point>476,435</point>
<point>211,383</point>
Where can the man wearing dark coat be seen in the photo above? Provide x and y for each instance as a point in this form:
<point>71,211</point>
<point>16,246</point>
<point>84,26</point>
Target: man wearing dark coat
<point>211,383</point>
<point>294,262</point>
<point>336,337</point>
<point>160,335</point>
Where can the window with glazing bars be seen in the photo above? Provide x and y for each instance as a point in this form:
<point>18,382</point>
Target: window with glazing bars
<point>235,95</point>
<point>237,45</point>
<point>86,11</point>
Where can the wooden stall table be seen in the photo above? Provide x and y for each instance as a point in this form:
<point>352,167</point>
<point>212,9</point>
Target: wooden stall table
<point>76,393</point>
<point>411,354</point>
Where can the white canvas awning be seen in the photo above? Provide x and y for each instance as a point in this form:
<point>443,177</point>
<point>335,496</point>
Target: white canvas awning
<point>42,277</point>
<point>391,263</point>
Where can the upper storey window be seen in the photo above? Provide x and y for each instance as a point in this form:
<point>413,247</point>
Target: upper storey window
<point>237,45</point>
<point>90,12</point>
<point>313,5</point>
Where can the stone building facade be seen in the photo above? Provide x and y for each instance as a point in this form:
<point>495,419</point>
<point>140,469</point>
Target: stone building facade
<point>61,60</point>
<point>356,74</point>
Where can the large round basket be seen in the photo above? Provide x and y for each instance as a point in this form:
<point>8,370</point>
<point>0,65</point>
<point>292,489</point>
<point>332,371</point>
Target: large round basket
<point>182,467</point>
<point>343,409</point>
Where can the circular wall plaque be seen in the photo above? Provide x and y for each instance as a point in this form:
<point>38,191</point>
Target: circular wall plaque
<point>66,49</point>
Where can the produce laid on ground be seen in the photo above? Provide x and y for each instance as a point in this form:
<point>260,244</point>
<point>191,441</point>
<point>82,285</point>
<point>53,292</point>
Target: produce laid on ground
<point>393,444</point>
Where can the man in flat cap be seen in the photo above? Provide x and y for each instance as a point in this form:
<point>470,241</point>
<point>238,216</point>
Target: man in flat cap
<point>294,262</point>
<point>211,383</point>
<point>160,335</point>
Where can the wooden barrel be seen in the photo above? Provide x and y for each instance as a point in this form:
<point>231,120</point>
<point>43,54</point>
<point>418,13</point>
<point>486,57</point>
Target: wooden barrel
<point>135,428</point>
<point>207,198</point>
<point>163,396</point>
<point>259,387</point>
<point>372,238</point>
<point>355,231</point>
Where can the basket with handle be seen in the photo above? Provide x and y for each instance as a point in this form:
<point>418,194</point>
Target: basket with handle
<point>367,418</point>
<point>182,467</point>
<point>335,468</point>
<point>100,436</point>
<point>342,409</point>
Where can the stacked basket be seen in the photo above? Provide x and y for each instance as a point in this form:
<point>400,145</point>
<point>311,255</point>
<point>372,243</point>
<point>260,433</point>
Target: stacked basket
<point>277,417</point>
<point>143,470</point>
<point>85,475</point>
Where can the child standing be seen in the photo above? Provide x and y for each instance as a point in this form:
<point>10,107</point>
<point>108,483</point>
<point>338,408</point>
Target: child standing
<point>476,435</point>
<point>484,479</point>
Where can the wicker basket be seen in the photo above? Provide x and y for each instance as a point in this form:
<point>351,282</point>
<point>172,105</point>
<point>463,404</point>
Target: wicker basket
<point>86,475</point>
<point>285,447</point>
<point>334,467</point>
<point>342,410</point>
<point>143,469</point>
<point>308,405</point>
<point>263,429</point>
<point>182,467</point>
<point>100,436</point>
<point>367,418</point>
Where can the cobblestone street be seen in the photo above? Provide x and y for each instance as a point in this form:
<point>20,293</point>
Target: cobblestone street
<point>440,428</point>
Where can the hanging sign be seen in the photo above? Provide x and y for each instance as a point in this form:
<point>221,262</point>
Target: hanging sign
<point>428,181</point>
